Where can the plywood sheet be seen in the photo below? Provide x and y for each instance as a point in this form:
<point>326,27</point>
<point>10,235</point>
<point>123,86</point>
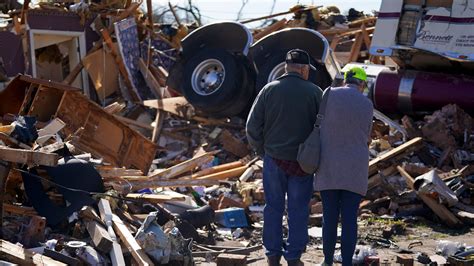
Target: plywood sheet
<point>103,72</point>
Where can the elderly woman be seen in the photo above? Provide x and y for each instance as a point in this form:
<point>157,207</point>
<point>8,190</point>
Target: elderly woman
<point>342,176</point>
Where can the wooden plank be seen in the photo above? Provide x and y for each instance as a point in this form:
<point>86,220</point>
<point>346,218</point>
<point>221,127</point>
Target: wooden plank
<point>100,237</point>
<point>132,122</point>
<point>132,245</point>
<point>335,42</point>
<point>410,181</point>
<point>154,198</point>
<point>233,145</point>
<point>150,79</point>
<point>440,210</point>
<point>185,166</point>
<point>174,105</point>
<point>272,28</point>
<point>356,47</point>
<point>16,254</point>
<point>365,36</point>
<point>354,32</point>
<point>106,171</point>
<point>236,172</point>
<point>158,90</point>
<point>131,185</point>
<point>28,157</point>
<point>218,168</point>
<point>116,255</point>
<point>409,146</point>
<point>12,142</point>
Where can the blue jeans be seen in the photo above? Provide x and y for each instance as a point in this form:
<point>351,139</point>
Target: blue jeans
<point>346,204</point>
<point>277,184</point>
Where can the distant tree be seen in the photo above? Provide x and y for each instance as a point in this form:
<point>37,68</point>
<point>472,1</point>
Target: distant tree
<point>239,14</point>
<point>189,13</point>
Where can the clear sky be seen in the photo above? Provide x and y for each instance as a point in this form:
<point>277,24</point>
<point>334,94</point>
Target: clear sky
<point>213,10</point>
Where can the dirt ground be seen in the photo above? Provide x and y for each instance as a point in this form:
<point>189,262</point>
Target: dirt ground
<point>407,232</point>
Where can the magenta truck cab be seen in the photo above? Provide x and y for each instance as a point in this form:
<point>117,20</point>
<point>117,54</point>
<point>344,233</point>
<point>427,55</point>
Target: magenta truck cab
<point>432,42</point>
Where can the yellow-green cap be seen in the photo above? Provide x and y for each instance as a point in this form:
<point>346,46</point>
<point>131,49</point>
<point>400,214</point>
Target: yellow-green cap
<point>356,72</point>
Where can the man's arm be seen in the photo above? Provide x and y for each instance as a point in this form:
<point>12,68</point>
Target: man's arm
<point>255,122</point>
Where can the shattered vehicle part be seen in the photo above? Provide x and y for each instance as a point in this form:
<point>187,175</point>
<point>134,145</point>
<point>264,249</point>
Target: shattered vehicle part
<point>431,182</point>
<point>153,240</point>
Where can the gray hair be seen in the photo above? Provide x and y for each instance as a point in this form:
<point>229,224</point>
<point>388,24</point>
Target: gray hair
<point>291,67</point>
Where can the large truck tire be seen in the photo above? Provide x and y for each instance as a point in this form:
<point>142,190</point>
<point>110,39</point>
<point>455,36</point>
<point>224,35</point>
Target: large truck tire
<point>275,67</point>
<point>211,79</point>
<point>218,83</point>
<point>241,102</point>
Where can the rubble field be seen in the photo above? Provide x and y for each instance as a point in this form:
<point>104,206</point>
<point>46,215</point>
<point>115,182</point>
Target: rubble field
<point>103,162</point>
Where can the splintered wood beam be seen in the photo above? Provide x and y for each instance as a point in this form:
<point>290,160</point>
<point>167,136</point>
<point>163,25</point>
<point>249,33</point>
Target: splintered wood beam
<point>132,245</point>
<point>150,79</point>
<point>121,65</point>
<point>410,146</point>
<point>134,185</point>
<point>105,171</point>
<point>16,254</point>
<point>28,157</point>
<point>236,172</point>
<point>274,27</point>
<point>185,166</point>
<point>116,255</point>
<point>154,198</point>
<point>172,105</point>
<point>440,210</point>
<point>410,181</point>
<point>218,168</point>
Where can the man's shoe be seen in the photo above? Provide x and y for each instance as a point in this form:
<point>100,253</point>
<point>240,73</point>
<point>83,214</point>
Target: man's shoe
<point>273,260</point>
<point>297,262</point>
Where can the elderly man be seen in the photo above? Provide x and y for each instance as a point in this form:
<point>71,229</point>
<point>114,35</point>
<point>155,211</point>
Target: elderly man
<point>342,175</point>
<point>282,117</point>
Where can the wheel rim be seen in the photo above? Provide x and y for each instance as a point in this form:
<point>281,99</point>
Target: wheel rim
<point>207,77</point>
<point>276,72</point>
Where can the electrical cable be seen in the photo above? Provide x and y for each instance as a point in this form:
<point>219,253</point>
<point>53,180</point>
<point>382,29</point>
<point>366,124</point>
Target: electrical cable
<point>77,190</point>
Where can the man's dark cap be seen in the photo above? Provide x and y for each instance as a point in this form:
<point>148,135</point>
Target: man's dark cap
<point>298,56</point>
